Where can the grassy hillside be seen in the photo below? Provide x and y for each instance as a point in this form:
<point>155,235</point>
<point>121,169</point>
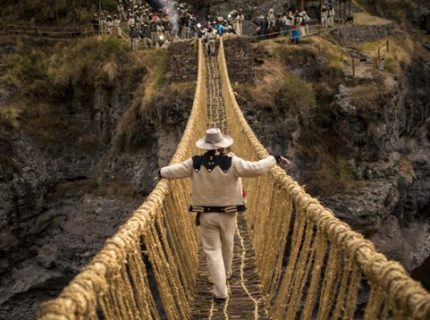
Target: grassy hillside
<point>43,80</point>
<point>58,12</point>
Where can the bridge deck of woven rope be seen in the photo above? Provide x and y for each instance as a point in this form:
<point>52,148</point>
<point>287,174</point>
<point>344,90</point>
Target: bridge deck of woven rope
<point>245,300</point>
<point>322,277</point>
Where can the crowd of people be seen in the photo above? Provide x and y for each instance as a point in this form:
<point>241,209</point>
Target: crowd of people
<point>292,23</point>
<point>155,27</point>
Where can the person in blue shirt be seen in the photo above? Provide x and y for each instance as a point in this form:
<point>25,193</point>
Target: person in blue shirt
<point>295,35</point>
<point>219,27</point>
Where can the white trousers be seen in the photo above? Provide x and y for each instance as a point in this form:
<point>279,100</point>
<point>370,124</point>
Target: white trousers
<point>238,28</point>
<point>217,232</point>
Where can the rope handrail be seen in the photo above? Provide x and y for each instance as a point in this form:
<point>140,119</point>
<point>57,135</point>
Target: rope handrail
<point>326,259</point>
<point>389,283</point>
<point>116,280</point>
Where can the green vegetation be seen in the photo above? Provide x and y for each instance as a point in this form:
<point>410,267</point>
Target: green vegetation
<point>158,64</point>
<point>371,48</point>
<point>364,18</point>
<point>52,83</point>
<point>367,98</point>
<point>133,127</point>
<point>300,82</point>
<point>46,73</point>
<point>390,65</point>
<point>92,62</point>
<point>333,175</point>
<point>137,123</point>
<point>48,82</point>
<point>400,50</point>
<point>26,66</point>
<point>328,152</point>
<point>10,115</point>
<point>296,96</point>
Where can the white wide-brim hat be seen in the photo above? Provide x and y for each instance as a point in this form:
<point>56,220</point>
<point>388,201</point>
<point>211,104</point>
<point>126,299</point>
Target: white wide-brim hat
<point>214,139</point>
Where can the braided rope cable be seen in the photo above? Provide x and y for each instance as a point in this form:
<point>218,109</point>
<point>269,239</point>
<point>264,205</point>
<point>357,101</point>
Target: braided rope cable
<point>406,296</point>
<point>116,280</point>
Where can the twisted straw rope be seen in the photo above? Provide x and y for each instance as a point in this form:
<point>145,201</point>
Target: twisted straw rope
<point>403,293</point>
<point>106,281</point>
<point>116,278</point>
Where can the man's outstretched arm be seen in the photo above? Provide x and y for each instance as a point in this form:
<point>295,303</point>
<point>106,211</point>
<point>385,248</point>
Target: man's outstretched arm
<point>178,170</point>
<point>245,168</point>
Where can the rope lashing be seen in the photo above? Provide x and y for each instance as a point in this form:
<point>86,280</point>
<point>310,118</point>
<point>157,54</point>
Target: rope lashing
<point>324,258</point>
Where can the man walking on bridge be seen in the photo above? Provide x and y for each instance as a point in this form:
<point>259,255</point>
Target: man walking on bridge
<point>217,196</point>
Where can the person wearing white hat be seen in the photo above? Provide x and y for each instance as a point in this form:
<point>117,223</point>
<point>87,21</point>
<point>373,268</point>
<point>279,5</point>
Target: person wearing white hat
<point>217,196</point>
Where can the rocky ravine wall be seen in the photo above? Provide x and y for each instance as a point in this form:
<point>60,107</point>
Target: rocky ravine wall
<point>388,151</point>
<point>60,202</point>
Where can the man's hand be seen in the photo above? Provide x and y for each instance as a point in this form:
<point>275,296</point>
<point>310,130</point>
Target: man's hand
<point>284,162</point>
<point>158,177</point>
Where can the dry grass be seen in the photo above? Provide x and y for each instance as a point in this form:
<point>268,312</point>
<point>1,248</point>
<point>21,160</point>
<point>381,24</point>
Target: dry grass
<point>117,188</point>
<point>296,97</point>
<point>157,64</point>
<point>269,77</point>
<point>370,48</point>
<point>59,12</point>
<point>92,62</point>
<point>400,10</point>
<point>335,54</point>
<point>401,49</point>
<point>182,86</point>
<point>331,173</point>
<point>334,175</point>
<point>366,97</point>
<point>406,167</point>
<point>24,67</point>
<point>268,84</point>
<point>366,19</point>
<point>110,71</point>
<point>10,115</point>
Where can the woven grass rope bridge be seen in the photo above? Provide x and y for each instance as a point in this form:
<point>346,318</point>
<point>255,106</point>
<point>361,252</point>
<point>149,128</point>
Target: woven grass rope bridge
<point>292,259</point>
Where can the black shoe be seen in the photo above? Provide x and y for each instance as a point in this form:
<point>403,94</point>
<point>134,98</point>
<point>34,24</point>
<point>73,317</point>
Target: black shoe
<point>219,300</point>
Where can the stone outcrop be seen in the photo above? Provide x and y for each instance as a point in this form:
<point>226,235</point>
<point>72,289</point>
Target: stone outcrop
<point>384,137</point>
<point>360,33</point>
<point>59,201</point>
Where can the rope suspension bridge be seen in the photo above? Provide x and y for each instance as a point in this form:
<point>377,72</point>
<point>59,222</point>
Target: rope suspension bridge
<point>292,258</point>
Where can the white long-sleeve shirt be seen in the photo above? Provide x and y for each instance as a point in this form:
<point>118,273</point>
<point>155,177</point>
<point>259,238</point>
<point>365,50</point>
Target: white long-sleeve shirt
<point>216,187</point>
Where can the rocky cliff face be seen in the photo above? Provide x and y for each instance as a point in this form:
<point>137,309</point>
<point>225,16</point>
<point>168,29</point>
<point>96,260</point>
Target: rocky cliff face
<point>369,136</point>
<point>69,178</point>
<point>73,171</point>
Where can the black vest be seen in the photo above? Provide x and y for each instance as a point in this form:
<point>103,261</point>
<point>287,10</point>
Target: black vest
<point>210,161</point>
